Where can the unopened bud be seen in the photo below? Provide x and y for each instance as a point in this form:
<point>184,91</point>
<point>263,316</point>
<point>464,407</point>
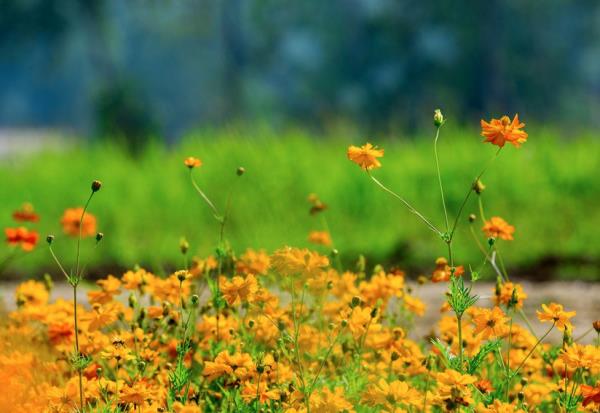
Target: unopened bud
<point>50,239</point>
<point>395,356</point>
<point>240,171</point>
<point>491,241</point>
<point>194,300</point>
<point>132,300</point>
<point>374,312</point>
<point>596,325</point>
<point>344,323</point>
<point>99,236</point>
<point>260,369</point>
<point>48,283</point>
<point>184,246</point>
<point>251,323</point>
<point>96,185</point>
<point>438,118</point>
<point>472,217</point>
<point>355,302</point>
<point>478,186</point>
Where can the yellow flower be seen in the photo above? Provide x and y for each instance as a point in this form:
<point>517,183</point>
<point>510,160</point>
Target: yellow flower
<point>579,356</point>
<point>293,261</point>
<point>390,395</point>
<point>32,293</point>
<point>328,401</point>
<point>489,323</point>
<point>192,162</point>
<point>238,289</point>
<point>555,313</point>
<point>365,156</point>
<point>320,238</point>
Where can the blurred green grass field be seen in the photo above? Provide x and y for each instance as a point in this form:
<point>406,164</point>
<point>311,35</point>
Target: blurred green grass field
<point>549,189</point>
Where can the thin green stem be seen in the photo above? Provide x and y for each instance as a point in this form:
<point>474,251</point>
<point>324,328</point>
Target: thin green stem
<point>532,350</point>
<point>204,197</point>
<point>471,189</point>
<point>60,265</point>
<point>77,354</point>
<point>409,206</point>
<point>80,233</point>
<point>439,175</point>
<point>460,342</point>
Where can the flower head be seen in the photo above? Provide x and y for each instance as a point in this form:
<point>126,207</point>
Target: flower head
<point>22,237</point>
<point>365,156</point>
<point>496,227</point>
<point>192,162</point>
<point>71,222</point>
<point>555,313</point>
<point>500,131</point>
<point>26,214</point>
<point>320,238</point>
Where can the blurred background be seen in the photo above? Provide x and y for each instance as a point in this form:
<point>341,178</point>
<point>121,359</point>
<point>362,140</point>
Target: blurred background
<point>123,91</point>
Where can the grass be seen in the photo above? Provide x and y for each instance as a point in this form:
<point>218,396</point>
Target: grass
<point>546,189</point>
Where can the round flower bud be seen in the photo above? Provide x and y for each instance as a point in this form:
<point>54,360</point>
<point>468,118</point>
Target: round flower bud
<point>96,185</point>
<point>50,239</point>
<point>355,302</point>
<point>184,246</point>
<point>374,312</point>
<point>472,217</point>
<point>260,369</point>
<point>395,356</point>
<point>478,186</point>
<point>99,236</point>
<point>250,323</point>
<point>240,171</point>
<point>194,300</point>
<point>344,323</point>
<point>596,325</point>
<point>438,118</point>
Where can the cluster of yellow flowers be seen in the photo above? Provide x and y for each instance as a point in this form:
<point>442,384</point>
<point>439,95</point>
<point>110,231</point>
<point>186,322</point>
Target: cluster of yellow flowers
<point>293,332</point>
<point>334,341</point>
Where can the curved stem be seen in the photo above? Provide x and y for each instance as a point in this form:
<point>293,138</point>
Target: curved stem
<point>471,189</point>
<point>439,175</point>
<point>204,197</point>
<point>409,206</point>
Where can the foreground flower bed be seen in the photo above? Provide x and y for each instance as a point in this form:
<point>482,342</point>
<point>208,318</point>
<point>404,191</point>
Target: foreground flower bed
<point>293,331</point>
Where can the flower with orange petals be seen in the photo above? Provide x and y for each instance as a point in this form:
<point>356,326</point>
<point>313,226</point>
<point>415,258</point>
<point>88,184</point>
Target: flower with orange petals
<point>21,237</point>
<point>500,131</point>
<point>489,323</point>
<point>72,222</point>
<point>26,214</point>
<point>443,271</point>
<point>192,162</point>
<point>590,394</point>
<point>320,238</point>
<point>556,313</point>
<point>365,156</point>
<point>496,227</point>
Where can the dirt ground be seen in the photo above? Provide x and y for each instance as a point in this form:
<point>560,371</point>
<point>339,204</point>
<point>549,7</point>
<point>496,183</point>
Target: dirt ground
<point>579,296</point>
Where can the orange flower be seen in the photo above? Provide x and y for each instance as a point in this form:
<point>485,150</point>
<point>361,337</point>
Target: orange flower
<point>71,221</point>
<point>26,214</point>
<point>365,156</point>
<point>192,162</point>
<point>500,131</point>
<point>489,323</point>
<point>590,394</point>
<point>320,238</point>
<point>496,227</point>
<point>443,271</point>
<point>22,237</point>
<point>555,313</point>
